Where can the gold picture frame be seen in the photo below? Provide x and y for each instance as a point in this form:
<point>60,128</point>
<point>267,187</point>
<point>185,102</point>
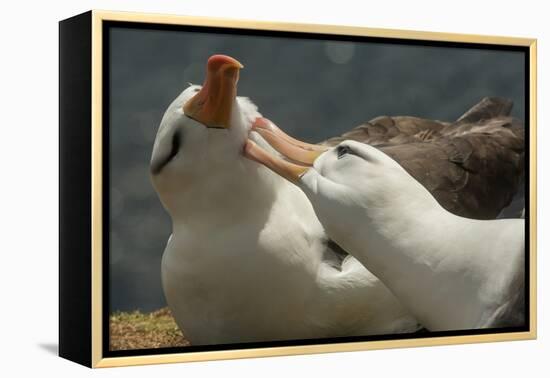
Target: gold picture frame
<point>94,264</point>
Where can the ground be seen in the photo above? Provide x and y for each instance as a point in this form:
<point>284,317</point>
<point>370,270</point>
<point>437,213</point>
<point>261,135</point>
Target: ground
<point>137,330</point>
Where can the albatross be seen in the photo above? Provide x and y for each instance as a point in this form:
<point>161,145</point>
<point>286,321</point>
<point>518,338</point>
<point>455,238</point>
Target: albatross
<point>451,272</point>
<point>248,259</point>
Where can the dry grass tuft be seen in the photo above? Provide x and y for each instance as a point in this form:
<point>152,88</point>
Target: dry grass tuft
<point>137,330</point>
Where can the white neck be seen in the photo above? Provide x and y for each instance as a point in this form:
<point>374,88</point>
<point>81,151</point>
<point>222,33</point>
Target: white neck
<point>447,270</point>
<point>246,190</point>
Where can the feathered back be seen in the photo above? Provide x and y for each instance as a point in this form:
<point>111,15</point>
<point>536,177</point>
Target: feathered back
<point>473,166</point>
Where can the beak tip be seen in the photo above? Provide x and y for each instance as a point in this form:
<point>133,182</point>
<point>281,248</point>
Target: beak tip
<point>247,146</point>
<point>262,123</point>
<point>218,60</point>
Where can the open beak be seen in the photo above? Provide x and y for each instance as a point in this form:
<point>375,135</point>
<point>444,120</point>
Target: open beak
<point>288,146</point>
<point>212,105</point>
<point>295,150</point>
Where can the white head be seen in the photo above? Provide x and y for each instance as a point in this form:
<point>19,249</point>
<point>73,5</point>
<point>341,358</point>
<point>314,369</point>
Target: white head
<point>201,134</point>
<point>345,183</point>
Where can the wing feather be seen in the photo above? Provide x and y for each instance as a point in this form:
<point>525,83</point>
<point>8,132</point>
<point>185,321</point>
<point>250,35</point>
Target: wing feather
<point>473,166</point>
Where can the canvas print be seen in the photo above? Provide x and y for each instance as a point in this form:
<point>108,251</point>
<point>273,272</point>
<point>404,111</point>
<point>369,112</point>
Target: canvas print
<point>284,189</point>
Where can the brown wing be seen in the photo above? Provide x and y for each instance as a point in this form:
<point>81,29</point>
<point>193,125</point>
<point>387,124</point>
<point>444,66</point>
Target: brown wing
<point>392,131</point>
<point>473,166</point>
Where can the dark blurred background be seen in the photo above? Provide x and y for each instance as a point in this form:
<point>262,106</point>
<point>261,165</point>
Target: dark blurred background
<point>313,89</point>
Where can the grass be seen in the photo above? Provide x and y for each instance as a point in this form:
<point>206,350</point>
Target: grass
<point>137,330</point>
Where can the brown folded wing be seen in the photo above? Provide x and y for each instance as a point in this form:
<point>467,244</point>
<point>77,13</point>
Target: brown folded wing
<point>473,166</point>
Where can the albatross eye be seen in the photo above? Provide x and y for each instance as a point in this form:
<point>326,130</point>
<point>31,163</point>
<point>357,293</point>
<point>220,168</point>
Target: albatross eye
<point>342,151</point>
<point>157,166</point>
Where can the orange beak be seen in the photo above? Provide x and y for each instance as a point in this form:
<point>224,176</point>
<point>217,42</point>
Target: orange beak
<point>212,105</point>
<point>290,147</point>
<point>295,150</point>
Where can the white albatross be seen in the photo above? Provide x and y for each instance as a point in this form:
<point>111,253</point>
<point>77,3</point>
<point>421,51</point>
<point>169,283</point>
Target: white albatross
<point>248,259</point>
<point>450,272</point>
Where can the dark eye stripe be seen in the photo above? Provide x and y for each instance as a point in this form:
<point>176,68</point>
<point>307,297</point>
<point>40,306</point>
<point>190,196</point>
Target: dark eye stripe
<point>156,167</point>
<point>175,146</point>
<point>342,151</point>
